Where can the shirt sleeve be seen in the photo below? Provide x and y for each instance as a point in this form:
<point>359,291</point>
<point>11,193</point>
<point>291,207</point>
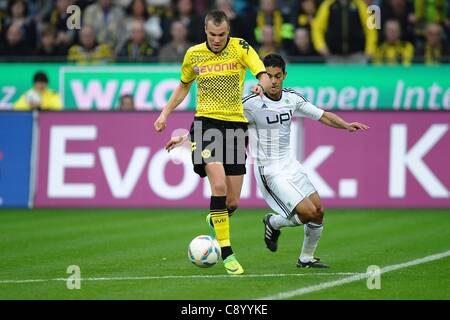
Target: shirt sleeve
<point>304,108</point>
<point>249,115</point>
<point>187,71</point>
<point>251,59</point>
<point>248,112</point>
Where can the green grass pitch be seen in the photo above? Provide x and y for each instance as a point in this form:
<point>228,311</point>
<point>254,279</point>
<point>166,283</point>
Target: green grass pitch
<point>142,254</point>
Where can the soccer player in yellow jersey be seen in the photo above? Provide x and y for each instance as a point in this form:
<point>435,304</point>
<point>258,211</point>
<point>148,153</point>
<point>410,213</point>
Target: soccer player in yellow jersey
<point>218,132</point>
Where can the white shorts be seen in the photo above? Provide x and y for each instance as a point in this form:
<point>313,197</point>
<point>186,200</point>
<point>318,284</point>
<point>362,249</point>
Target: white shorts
<point>284,187</point>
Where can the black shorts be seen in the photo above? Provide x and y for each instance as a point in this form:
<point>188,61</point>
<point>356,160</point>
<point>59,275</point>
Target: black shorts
<point>219,141</point>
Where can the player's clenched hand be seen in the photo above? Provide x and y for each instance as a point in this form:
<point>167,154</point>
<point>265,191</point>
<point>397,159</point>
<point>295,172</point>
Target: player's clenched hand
<point>355,126</point>
<point>258,89</point>
<point>160,123</point>
<point>175,142</point>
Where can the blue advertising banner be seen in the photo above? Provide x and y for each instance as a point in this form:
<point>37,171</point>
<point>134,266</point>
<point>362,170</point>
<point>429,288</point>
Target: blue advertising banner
<point>15,154</point>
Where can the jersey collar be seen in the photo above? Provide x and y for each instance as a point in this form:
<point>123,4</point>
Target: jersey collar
<point>268,97</point>
<point>207,45</point>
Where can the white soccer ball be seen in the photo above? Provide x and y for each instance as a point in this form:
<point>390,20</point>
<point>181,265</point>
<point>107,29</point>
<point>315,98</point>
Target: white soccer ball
<point>204,251</point>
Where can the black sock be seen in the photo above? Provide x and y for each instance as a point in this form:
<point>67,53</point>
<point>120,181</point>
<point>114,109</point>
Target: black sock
<point>226,252</point>
<point>231,211</point>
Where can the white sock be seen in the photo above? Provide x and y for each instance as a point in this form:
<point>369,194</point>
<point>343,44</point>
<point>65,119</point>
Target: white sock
<point>277,221</point>
<point>313,231</point>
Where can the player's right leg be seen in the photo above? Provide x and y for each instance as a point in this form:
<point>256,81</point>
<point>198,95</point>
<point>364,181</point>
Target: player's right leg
<point>282,197</point>
<point>219,216</point>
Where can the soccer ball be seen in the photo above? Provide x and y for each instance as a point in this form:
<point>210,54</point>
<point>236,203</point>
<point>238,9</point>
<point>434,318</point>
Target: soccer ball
<point>204,251</point>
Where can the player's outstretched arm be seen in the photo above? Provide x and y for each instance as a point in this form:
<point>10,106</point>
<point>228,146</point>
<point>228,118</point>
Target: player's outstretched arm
<point>176,141</point>
<point>175,99</point>
<point>333,120</point>
<point>263,84</point>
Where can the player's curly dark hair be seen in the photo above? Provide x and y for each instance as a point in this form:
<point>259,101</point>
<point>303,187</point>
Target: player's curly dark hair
<point>274,60</point>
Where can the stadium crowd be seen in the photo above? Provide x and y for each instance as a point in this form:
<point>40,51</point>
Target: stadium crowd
<point>310,31</point>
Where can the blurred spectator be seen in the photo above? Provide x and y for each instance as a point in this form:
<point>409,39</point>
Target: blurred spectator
<point>335,30</point>
<point>434,50</point>
<point>39,10</point>
<point>203,5</point>
<point>3,6</point>
<point>107,21</point>
<point>402,11</point>
<point>40,97</point>
<point>17,13</point>
<point>285,7</point>
<point>340,32</point>
<point>428,11</point>
<point>268,14</point>
<point>304,13</point>
<point>57,21</point>
<point>121,3</point>
<point>47,48</point>
<point>159,3</point>
<point>394,50</point>
<point>126,103</point>
<point>302,49</point>
<point>83,4</point>
<point>175,50</point>
<point>89,50</point>
<point>138,10</point>
<point>237,25</point>
<point>137,47</point>
<point>267,43</point>
<point>184,12</point>
<point>15,45</point>
<point>245,7</point>
<point>161,8</point>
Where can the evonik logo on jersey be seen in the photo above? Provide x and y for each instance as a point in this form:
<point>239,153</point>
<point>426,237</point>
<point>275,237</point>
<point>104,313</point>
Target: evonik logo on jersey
<point>217,67</point>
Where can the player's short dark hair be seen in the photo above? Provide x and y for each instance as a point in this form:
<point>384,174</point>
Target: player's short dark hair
<point>274,60</point>
<point>40,76</point>
<point>217,17</point>
<point>126,96</point>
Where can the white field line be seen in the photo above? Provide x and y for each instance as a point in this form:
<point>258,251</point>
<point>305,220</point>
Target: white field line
<point>353,278</point>
<point>312,274</point>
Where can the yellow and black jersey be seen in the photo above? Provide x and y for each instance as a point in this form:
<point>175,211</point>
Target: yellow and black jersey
<point>220,78</point>
<point>101,53</point>
<point>399,52</point>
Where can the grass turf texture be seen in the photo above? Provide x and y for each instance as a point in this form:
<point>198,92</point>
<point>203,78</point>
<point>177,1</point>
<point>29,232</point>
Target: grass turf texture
<point>123,243</point>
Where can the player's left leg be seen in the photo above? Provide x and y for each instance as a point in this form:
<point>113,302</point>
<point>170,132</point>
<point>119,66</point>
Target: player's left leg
<point>313,232</point>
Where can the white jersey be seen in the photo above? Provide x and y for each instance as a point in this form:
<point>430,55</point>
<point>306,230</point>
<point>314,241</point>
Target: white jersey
<point>281,180</point>
<point>270,124</point>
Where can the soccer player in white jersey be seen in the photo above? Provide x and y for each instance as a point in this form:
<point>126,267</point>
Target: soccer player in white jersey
<point>281,178</point>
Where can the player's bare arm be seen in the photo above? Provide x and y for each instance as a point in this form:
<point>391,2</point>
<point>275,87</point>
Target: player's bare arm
<point>263,85</point>
<point>333,120</point>
<point>177,97</point>
<point>176,141</point>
